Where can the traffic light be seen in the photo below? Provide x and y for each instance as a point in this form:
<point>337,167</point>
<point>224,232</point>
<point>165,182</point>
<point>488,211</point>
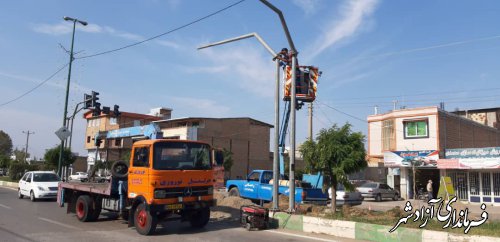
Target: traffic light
<point>87,101</point>
<point>94,98</point>
<point>116,111</point>
<point>106,110</point>
<point>97,110</point>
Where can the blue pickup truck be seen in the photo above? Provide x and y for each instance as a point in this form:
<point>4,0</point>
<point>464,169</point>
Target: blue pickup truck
<point>257,187</point>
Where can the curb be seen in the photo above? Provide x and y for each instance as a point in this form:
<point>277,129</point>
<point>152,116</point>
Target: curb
<point>364,231</point>
<point>9,184</point>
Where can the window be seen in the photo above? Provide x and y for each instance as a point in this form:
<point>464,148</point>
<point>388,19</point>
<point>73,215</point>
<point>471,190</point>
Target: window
<point>254,176</point>
<point>137,123</point>
<point>181,156</point>
<point>266,177</point>
<point>118,142</point>
<point>474,183</point>
<point>25,177</point>
<point>28,179</point>
<point>141,157</point>
<point>88,139</point>
<point>416,129</point>
<point>195,124</point>
<point>388,135</point>
<point>112,121</point>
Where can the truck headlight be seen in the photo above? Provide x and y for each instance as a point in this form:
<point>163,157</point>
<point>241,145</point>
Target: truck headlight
<point>210,190</point>
<point>160,194</point>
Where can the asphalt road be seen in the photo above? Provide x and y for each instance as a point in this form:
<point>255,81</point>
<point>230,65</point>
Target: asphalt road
<point>23,220</point>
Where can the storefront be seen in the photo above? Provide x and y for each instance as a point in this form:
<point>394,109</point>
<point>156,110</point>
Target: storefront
<point>475,173</point>
<point>409,171</point>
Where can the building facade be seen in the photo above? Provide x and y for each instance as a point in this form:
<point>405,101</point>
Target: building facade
<point>247,138</point>
<point>114,149</point>
<point>409,142</point>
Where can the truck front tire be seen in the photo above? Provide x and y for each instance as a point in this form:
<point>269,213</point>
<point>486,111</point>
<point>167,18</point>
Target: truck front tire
<point>200,218</point>
<point>144,222</point>
<point>234,192</point>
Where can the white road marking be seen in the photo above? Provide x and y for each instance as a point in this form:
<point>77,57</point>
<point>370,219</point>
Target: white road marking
<point>300,236</point>
<point>58,223</point>
<point>3,206</point>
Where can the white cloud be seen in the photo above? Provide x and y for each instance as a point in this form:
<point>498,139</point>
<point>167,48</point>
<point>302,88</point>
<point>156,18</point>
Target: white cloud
<point>308,6</point>
<point>247,66</point>
<point>67,28</point>
<point>49,83</point>
<point>204,107</point>
<point>353,14</point>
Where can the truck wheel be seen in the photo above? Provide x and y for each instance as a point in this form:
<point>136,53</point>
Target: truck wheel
<point>84,209</point>
<point>234,192</point>
<point>200,218</point>
<point>144,222</point>
<point>96,211</point>
<point>119,169</point>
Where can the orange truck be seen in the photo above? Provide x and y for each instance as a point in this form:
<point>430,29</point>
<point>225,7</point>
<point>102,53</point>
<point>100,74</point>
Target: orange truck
<point>165,179</point>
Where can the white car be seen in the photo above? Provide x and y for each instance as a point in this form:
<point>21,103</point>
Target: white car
<point>345,197</point>
<point>79,176</point>
<point>38,184</point>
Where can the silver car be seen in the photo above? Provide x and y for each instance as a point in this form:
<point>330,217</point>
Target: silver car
<point>378,191</point>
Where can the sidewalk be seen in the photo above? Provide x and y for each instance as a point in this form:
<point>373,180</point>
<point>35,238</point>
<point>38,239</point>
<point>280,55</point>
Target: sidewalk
<point>474,208</point>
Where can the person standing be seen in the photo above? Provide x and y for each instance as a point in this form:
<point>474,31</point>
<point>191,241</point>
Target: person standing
<point>429,190</point>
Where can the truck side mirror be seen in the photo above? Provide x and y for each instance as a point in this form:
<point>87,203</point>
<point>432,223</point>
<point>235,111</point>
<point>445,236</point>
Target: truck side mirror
<point>218,157</point>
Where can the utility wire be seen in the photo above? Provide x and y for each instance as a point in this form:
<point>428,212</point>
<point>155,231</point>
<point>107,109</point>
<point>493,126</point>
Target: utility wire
<point>165,33</point>
<point>37,86</point>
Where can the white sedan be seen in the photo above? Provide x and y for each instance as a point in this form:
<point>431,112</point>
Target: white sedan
<point>38,184</point>
<point>79,176</point>
<point>345,197</point>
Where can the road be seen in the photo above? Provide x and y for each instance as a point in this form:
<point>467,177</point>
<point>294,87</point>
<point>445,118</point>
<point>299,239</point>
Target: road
<point>23,220</point>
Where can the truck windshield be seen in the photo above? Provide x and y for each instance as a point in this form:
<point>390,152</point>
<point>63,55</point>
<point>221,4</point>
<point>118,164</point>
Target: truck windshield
<point>181,156</point>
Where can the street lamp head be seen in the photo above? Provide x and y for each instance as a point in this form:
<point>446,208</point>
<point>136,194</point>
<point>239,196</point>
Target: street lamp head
<point>75,20</point>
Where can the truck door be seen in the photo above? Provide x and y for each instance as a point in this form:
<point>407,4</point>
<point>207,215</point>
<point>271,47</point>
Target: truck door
<point>266,189</point>
<point>251,187</point>
<point>138,177</point>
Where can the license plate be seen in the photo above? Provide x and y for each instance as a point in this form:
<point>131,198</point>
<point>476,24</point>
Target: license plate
<point>173,206</point>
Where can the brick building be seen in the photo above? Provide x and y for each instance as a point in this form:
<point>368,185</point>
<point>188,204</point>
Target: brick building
<point>418,137</point>
<point>115,149</point>
<point>247,138</point>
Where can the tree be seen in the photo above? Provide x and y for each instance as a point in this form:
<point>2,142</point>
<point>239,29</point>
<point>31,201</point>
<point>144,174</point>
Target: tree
<point>20,155</point>
<point>336,153</point>
<point>5,144</point>
<point>52,157</point>
<point>4,161</point>
<point>228,161</point>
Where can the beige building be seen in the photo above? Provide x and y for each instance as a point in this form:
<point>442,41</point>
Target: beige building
<point>115,149</point>
<point>247,138</point>
<point>418,137</point>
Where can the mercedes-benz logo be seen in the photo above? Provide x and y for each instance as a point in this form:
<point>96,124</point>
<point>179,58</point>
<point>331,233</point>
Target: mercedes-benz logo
<point>188,192</point>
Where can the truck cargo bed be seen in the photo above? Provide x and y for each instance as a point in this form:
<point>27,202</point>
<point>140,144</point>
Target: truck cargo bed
<point>98,188</point>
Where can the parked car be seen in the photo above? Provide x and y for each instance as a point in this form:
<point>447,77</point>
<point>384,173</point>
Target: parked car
<point>346,197</point>
<point>79,176</point>
<point>378,191</point>
<point>38,184</point>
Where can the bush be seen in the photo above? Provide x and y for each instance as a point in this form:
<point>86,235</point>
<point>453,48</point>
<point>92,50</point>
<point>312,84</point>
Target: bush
<point>18,169</point>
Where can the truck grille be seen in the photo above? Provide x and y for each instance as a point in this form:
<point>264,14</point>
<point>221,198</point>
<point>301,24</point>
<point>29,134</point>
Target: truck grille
<point>182,192</point>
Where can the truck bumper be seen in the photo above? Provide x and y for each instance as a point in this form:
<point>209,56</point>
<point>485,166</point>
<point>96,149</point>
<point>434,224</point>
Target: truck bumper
<point>183,206</point>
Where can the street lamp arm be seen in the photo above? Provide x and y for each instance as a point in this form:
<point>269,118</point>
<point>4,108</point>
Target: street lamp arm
<point>246,36</point>
<point>283,23</point>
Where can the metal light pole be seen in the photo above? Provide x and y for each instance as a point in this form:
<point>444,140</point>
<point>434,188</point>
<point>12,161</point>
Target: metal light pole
<point>27,142</point>
<point>291,207</point>
<point>276,171</point>
<point>74,20</point>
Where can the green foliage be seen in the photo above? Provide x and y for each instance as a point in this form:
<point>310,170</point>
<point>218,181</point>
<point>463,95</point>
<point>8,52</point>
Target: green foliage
<point>228,159</point>
<point>17,169</point>
<point>20,155</point>
<point>5,144</point>
<point>52,157</point>
<point>125,157</point>
<point>5,161</point>
<point>335,153</point>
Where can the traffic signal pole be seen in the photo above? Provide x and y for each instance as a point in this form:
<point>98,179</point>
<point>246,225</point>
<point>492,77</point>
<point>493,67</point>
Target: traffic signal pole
<point>291,207</point>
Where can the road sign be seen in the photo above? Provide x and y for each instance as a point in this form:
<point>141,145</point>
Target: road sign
<point>63,133</point>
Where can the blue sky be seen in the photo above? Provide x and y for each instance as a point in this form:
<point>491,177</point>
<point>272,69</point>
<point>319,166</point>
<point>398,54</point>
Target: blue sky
<point>371,52</point>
